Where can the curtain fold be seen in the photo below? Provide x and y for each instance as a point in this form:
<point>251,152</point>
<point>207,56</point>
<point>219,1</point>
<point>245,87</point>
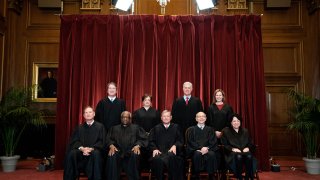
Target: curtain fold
<point>156,54</point>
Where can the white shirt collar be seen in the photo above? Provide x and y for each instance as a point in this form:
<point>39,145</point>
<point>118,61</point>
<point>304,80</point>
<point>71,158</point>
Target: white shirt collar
<point>89,123</point>
<point>146,108</point>
<point>111,98</point>
<point>201,126</point>
<point>166,125</point>
<point>185,97</point>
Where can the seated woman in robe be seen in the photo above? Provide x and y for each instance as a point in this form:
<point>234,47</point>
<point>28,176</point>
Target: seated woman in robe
<point>238,148</point>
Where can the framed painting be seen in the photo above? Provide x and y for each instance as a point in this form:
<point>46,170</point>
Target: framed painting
<point>44,78</point>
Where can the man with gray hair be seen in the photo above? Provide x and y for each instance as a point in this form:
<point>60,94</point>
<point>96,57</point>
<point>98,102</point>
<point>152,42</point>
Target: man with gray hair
<point>165,144</point>
<point>185,108</point>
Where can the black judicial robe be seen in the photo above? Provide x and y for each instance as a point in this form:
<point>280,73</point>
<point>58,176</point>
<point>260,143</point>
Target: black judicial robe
<point>197,138</point>
<point>163,139</point>
<point>185,115</point>
<point>93,136</point>
<point>109,113</point>
<point>219,119</point>
<point>231,139</point>
<point>126,137</point>
<point>147,119</point>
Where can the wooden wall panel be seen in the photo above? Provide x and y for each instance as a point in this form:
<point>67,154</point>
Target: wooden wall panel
<point>42,50</point>
<point>2,50</point>
<point>281,141</point>
<point>72,7</point>
<point>3,28</point>
<point>282,57</point>
<point>290,17</point>
<point>41,17</point>
<point>174,7</point>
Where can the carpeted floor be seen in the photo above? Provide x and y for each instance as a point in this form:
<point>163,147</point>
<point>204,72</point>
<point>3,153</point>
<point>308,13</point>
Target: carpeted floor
<point>26,170</point>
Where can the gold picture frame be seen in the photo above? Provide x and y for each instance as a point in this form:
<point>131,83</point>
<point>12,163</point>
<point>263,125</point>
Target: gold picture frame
<point>44,78</point>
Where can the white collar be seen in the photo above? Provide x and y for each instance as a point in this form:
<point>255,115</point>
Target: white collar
<point>185,97</point>
<point>201,126</point>
<point>89,123</point>
<point>112,98</point>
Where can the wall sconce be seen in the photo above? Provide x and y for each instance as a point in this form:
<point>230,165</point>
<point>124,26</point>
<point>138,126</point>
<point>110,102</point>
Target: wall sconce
<point>163,4</point>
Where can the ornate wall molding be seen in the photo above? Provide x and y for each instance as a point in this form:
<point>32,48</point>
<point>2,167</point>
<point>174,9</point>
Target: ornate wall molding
<point>15,5</point>
<point>236,4</point>
<point>313,5</point>
<point>90,5</point>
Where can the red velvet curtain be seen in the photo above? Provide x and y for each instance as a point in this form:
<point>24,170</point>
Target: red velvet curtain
<point>156,54</point>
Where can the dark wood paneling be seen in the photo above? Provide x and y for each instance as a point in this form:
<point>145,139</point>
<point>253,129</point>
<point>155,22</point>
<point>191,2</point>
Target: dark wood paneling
<point>3,28</point>
<point>2,43</point>
<point>281,141</point>
<point>3,7</point>
<point>42,17</point>
<point>173,7</point>
<point>40,51</point>
<point>282,57</point>
<point>290,18</point>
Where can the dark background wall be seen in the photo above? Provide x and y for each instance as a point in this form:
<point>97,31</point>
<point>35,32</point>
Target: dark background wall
<point>291,36</point>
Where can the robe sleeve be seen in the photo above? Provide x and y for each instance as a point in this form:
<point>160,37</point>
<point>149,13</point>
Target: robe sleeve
<point>100,143</point>
<point>152,140</point>
<point>109,138</point>
<point>225,141</point>
<point>142,139</point>
<point>191,143</point>
<point>75,140</point>
<point>179,139</point>
<point>213,142</point>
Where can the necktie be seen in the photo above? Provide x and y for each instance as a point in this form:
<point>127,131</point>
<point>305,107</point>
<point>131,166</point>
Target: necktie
<point>187,100</point>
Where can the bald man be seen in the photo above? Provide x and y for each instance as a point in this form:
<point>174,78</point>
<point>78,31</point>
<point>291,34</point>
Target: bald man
<point>201,146</point>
